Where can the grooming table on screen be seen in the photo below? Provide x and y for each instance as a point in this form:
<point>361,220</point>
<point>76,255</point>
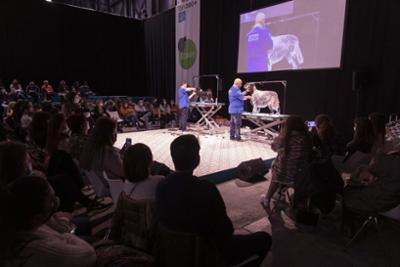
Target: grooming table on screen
<point>207,111</point>
<point>266,123</point>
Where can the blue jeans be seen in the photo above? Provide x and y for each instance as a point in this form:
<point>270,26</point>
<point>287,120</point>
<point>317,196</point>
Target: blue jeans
<point>183,117</point>
<point>236,123</point>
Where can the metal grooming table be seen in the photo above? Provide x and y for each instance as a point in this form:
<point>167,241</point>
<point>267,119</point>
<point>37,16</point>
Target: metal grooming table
<point>207,111</point>
<point>266,123</point>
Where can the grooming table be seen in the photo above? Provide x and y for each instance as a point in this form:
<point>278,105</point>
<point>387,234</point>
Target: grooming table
<point>207,111</point>
<point>267,123</point>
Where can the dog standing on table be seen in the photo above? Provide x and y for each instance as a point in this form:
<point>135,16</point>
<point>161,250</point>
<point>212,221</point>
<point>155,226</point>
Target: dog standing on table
<point>262,99</point>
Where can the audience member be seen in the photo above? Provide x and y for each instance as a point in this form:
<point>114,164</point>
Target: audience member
<point>71,103</point>
<point>14,162</point>
<point>75,86</point>
<point>165,113</point>
<point>63,87</point>
<point>375,188</point>
<point>15,88</point>
<point>33,91</point>
<point>63,172</point>
<point>379,126</point>
<point>98,110</point>
<point>293,146</point>
<point>26,240</point>
<point>99,154</point>
<point>128,113</point>
<point>186,204</point>
<point>325,179</point>
<point>363,139</point>
<point>47,90</point>
<point>155,109</point>
<point>358,151</point>
<point>79,126</point>
<point>143,113</point>
<point>84,90</point>
<point>37,138</point>
<point>139,183</point>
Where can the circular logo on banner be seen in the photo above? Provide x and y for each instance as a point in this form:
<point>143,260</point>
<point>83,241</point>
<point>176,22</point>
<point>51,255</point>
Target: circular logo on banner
<point>187,53</point>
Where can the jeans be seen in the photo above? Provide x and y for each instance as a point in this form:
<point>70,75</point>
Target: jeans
<point>131,118</point>
<point>183,117</point>
<point>236,123</point>
<point>144,117</point>
<point>242,247</point>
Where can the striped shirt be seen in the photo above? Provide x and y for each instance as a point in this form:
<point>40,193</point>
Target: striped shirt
<point>288,165</point>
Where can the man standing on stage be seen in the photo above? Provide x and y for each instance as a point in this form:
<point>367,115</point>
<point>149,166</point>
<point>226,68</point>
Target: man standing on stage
<point>236,103</point>
<point>259,42</point>
<point>184,103</point>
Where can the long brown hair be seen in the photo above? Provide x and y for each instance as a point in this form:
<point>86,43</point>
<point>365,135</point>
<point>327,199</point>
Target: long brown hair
<point>379,125</point>
<point>325,128</point>
<point>102,136</point>
<point>54,132</point>
<point>364,131</point>
<point>292,124</point>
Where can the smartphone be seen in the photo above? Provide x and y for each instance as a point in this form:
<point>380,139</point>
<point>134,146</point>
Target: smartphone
<point>128,141</point>
<point>311,124</point>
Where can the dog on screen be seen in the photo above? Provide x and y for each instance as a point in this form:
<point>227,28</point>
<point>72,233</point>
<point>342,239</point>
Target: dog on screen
<point>285,47</point>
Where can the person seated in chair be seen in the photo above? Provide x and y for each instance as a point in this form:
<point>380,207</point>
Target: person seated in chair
<point>359,150</point>
<point>27,204</point>
<point>376,188</point>
<point>143,113</point>
<point>33,91</point>
<point>187,204</point>
<point>165,113</point>
<point>47,90</point>
<point>293,146</point>
<point>155,109</point>
<point>128,114</point>
<point>139,183</point>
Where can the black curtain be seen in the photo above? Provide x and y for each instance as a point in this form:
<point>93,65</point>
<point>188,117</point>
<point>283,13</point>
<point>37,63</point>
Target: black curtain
<point>41,40</point>
<point>160,54</point>
<point>369,45</point>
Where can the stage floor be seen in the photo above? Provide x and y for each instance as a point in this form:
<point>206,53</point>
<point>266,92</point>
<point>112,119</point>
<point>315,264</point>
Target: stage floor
<point>217,152</point>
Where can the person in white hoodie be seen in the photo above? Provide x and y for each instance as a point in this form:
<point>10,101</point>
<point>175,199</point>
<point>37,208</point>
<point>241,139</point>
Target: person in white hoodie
<point>26,205</point>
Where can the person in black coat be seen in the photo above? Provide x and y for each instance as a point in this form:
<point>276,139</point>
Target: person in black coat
<point>185,203</point>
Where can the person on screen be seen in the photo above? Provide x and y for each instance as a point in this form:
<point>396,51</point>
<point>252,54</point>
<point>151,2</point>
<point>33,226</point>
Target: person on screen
<point>184,103</point>
<point>259,42</point>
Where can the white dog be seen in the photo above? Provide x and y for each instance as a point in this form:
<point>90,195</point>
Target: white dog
<point>285,47</point>
<point>262,99</point>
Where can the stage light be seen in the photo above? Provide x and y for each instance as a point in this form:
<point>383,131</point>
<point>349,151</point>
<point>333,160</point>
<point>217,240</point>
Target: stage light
<point>49,0</point>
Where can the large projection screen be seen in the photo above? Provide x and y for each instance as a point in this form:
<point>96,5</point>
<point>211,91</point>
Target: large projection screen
<point>294,35</point>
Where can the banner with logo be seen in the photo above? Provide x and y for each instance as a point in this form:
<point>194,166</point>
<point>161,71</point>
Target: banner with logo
<point>187,28</point>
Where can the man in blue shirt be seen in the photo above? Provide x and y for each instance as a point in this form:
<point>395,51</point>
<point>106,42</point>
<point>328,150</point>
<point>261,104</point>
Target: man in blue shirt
<point>236,103</point>
<point>259,42</point>
<point>183,104</point>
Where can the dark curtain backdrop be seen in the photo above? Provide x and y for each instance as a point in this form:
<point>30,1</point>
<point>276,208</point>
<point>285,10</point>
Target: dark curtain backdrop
<point>370,45</point>
<point>160,54</point>
<point>41,40</point>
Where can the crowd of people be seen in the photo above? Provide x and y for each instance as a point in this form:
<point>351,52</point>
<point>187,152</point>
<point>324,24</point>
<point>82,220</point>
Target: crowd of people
<point>48,151</point>
<point>362,175</point>
<point>51,154</point>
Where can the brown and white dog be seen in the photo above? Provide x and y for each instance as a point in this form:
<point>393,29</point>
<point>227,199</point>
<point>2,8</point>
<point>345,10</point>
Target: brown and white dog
<point>263,99</point>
